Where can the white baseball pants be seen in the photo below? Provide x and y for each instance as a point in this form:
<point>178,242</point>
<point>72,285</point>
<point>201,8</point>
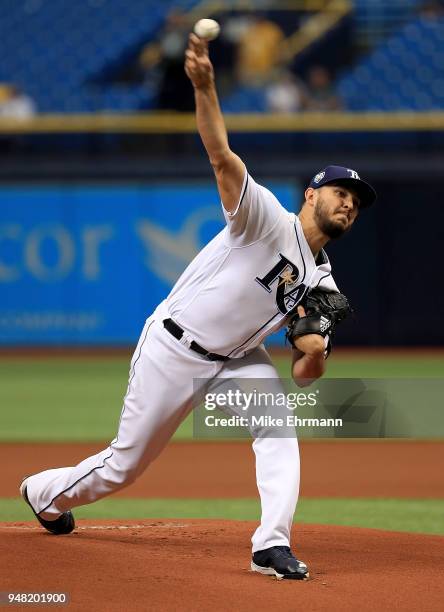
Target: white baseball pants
<point>158,398</point>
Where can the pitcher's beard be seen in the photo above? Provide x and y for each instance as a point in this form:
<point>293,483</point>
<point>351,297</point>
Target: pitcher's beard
<point>329,227</point>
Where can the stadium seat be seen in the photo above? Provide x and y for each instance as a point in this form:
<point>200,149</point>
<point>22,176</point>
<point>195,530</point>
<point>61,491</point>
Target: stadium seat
<point>55,50</point>
<point>405,71</point>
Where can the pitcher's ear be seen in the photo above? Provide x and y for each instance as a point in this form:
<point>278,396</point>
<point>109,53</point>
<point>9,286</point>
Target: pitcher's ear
<point>310,196</point>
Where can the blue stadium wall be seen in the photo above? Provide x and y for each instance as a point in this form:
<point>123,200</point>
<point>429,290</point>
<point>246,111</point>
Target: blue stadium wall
<point>86,264</point>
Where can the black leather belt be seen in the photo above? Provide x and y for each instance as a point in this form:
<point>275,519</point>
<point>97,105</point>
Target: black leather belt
<point>176,331</point>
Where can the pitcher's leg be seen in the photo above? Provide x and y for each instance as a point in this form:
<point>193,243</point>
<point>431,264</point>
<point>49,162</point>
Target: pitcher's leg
<point>158,398</point>
<point>277,476</point>
<point>276,449</point>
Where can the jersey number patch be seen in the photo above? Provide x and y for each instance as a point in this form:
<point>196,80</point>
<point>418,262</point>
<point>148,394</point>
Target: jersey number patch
<point>288,292</point>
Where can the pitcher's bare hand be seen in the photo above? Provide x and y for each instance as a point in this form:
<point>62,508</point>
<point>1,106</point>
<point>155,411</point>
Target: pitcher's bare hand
<point>198,66</point>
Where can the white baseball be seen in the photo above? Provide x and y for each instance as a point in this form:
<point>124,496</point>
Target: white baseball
<point>208,29</point>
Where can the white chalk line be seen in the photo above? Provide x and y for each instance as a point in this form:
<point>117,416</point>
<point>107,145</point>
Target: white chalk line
<point>97,527</point>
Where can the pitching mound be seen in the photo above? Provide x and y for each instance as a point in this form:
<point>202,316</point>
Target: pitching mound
<point>201,564</point>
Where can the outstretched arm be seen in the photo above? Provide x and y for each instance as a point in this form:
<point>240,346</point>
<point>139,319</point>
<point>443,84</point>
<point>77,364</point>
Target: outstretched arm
<point>228,167</point>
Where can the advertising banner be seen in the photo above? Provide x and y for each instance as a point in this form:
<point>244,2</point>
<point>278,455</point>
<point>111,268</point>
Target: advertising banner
<point>87,264</point>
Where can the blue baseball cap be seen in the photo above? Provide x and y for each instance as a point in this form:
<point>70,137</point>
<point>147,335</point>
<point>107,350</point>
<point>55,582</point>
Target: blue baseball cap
<point>346,176</point>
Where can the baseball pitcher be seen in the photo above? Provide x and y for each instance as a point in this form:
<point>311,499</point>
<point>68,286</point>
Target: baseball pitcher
<point>265,270</point>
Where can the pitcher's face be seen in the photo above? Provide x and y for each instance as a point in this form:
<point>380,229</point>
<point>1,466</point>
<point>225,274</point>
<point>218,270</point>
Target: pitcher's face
<point>335,210</point>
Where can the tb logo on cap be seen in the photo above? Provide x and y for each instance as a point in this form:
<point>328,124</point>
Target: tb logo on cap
<point>353,174</point>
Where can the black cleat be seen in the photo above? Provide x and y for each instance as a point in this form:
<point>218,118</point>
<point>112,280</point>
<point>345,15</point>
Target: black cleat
<point>280,562</point>
<point>63,524</point>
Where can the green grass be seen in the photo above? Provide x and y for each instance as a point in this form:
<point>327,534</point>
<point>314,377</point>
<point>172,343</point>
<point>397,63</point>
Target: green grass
<point>419,516</point>
<point>375,367</point>
<point>65,399</point>
<point>74,399</point>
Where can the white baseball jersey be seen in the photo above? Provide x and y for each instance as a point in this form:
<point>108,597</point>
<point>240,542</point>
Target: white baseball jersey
<point>235,292</point>
<point>242,285</point>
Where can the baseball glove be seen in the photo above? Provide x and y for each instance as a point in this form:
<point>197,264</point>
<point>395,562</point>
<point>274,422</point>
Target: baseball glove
<point>324,310</point>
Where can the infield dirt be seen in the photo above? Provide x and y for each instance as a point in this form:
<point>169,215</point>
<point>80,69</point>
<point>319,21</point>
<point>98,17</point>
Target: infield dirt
<point>202,565</point>
<point>331,468</point>
<point>163,565</point>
